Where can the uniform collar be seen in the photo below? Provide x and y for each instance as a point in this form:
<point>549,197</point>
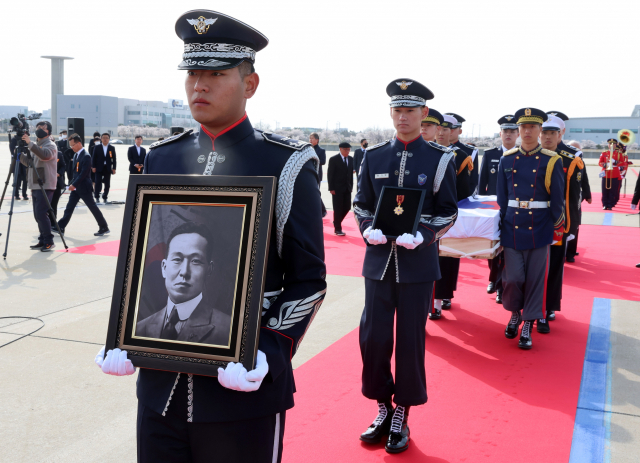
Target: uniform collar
<point>406,146</point>
<point>236,132</point>
<point>529,153</point>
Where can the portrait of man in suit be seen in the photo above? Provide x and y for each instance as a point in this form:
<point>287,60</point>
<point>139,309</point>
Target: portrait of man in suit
<point>188,316</point>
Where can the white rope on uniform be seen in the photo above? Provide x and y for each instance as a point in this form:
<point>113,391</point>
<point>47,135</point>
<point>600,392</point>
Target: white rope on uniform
<point>442,168</point>
<point>286,182</point>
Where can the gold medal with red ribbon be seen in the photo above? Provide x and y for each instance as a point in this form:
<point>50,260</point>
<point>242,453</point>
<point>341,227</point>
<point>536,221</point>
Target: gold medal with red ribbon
<point>399,210</point>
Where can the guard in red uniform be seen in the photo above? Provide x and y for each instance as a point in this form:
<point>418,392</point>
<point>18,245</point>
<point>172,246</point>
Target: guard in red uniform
<point>610,177</point>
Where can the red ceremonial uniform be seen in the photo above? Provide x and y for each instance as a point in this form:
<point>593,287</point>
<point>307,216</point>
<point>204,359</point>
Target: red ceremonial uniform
<point>617,158</point>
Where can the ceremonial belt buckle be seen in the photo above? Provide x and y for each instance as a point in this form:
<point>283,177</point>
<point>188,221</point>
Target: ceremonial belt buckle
<point>524,205</point>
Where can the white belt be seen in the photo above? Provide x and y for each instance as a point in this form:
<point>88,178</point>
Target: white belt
<point>529,204</point>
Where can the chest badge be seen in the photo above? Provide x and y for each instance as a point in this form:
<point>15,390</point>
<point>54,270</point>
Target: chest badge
<point>382,175</point>
<point>202,158</point>
<point>221,157</point>
<point>399,210</point>
<point>579,176</point>
<point>422,179</point>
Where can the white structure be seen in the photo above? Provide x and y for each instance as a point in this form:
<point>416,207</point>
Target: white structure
<point>57,85</point>
<point>600,129</point>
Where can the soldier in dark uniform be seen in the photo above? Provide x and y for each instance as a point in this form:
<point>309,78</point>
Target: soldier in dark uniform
<point>469,149</point>
<point>487,187</point>
<point>359,154</point>
<point>530,194</point>
<point>238,416</point>
<point>399,274</point>
<point>450,266</point>
<point>314,139</point>
<point>573,147</point>
<point>573,168</point>
<point>429,125</point>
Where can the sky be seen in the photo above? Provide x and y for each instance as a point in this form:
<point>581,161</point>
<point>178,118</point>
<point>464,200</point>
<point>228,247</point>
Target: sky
<point>329,62</point>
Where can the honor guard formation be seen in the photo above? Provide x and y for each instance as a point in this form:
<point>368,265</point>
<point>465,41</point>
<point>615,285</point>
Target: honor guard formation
<point>539,185</point>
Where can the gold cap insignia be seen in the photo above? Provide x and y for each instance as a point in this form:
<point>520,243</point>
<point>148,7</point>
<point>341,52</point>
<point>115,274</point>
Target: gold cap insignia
<point>527,112</point>
<point>404,84</point>
<point>201,25</point>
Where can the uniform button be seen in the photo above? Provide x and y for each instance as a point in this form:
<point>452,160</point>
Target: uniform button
<point>531,199</point>
<point>410,155</point>
<point>516,212</point>
<point>397,172</point>
<point>531,186</point>
<point>515,184</point>
<point>516,226</point>
<point>530,212</point>
<point>529,228</point>
<point>534,170</point>
<point>514,171</point>
<point>517,157</point>
<point>406,172</point>
<point>399,154</point>
<point>537,157</point>
<point>517,199</point>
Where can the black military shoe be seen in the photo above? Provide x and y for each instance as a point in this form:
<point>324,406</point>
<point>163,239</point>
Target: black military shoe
<point>542,325</point>
<point>570,259</point>
<point>446,304</point>
<point>525,335</point>
<point>491,288</point>
<point>380,426</point>
<point>102,232</point>
<point>551,316</point>
<point>512,327</point>
<point>435,315</point>
<point>499,296</point>
<point>399,432</point>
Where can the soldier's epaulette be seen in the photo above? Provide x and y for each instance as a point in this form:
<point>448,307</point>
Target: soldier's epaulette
<point>511,151</point>
<point>548,152</point>
<point>567,154</point>
<point>170,139</point>
<point>437,146</point>
<point>284,141</point>
<point>471,147</point>
<point>382,143</point>
<point>572,148</point>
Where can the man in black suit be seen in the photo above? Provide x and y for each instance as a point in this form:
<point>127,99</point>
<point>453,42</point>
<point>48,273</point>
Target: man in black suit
<point>94,141</point>
<point>80,187</point>
<point>187,316</point>
<point>136,156</point>
<point>104,165</point>
<point>340,178</point>
<point>359,155</point>
<point>314,139</point>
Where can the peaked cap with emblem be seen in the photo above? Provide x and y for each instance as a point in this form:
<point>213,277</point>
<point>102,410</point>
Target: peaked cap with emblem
<point>530,116</point>
<point>562,116</point>
<point>553,123</point>
<point>508,121</point>
<point>408,93</point>
<point>449,122</point>
<point>458,118</point>
<point>434,117</point>
<point>216,41</point>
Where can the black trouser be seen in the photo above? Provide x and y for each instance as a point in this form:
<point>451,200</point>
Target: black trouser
<point>21,181</point>
<point>57,193</point>
<point>171,439</point>
<point>40,213</point>
<point>572,246</point>
<point>496,265</point>
<point>445,286</point>
<point>556,274</point>
<point>103,177</point>
<point>609,194</point>
<point>74,198</point>
<point>341,206</point>
<point>525,281</point>
<point>409,303</point>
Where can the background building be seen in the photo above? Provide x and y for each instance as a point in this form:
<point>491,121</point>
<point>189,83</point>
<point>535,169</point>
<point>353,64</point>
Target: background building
<point>7,112</point>
<point>600,129</point>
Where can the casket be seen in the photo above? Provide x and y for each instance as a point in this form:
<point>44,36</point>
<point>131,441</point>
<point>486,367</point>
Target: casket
<point>476,233</point>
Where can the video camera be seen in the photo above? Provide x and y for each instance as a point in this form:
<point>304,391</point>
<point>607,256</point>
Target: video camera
<point>20,126</point>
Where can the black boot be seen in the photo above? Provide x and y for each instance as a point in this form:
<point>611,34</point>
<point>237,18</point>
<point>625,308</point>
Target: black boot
<point>380,426</point>
<point>525,335</point>
<point>399,433</point>
<point>499,296</point>
<point>446,304</point>
<point>512,327</point>
<point>542,325</point>
<point>551,315</point>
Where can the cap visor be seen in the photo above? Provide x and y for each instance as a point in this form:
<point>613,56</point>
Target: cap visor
<point>213,64</point>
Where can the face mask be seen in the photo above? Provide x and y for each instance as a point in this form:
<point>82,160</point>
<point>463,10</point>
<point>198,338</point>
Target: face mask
<point>63,137</point>
<point>365,146</point>
<point>41,133</point>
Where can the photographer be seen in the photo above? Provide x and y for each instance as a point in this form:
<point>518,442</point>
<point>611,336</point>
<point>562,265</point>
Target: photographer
<point>43,157</point>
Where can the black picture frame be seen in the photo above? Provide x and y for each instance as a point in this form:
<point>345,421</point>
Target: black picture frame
<point>241,210</point>
<point>392,224</point>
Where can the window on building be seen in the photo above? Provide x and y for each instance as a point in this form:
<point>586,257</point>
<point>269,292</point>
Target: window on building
<point>96,108</point>
<point>144,113</point>
<point>73,106</point>
<point>597,131</point>
<point>575,130</point>
<point>133,113</point>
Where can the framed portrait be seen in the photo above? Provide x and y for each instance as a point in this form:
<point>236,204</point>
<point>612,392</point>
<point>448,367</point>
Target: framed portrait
<point>190,275</point>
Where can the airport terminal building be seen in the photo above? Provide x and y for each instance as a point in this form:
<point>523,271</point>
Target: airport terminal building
<point>600,129</point>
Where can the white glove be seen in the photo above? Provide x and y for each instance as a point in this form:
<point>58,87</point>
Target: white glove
<point>571,237</point>
<point>116,363</point>
<point>409,241</point>
<point>553,242</point>
<point>633,207</point>
<point>236,377</point>
<point>374,236</point>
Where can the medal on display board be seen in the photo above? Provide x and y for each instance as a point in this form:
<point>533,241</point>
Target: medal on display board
<point>398,210</point>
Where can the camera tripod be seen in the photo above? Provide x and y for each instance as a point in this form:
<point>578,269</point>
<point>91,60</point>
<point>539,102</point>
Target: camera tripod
<point>44,195</point>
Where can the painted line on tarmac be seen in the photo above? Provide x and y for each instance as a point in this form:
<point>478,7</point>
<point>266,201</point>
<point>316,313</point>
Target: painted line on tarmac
<point>55,339</point>
<point>608,219</point>
<point>592,428</point>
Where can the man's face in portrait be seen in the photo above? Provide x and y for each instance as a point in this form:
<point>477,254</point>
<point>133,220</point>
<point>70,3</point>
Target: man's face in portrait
<point>186,269</point>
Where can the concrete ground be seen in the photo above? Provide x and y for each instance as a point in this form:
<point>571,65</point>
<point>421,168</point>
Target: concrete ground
<point>58,406</point>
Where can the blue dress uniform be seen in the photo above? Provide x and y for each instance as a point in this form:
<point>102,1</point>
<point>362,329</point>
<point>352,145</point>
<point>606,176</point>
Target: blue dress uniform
<point>174,407</point>
<point>399,281</point>
<point>530,196</point>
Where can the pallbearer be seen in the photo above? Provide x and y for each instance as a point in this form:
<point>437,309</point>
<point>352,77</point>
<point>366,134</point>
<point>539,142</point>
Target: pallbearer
<point>450,266</point>
<point>430,125</point>
<point>530,194</point>
<point>472,151</point>
<point>487,187</point>
<point>399,274</point>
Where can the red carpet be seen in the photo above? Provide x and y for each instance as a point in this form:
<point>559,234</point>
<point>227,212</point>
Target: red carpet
<point>489,401</point>
<point>104,248</point>
<point>622,207</point>
<point>343,254</point>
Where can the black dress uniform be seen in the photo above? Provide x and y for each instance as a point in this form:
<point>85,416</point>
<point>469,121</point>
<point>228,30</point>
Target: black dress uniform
<point>294,283</point>
<point>322,156</point>
<point>340,180</point>
<point>399,281</point>
<point>469,150</point>
<point>530,194</point>
<point>358,155</point>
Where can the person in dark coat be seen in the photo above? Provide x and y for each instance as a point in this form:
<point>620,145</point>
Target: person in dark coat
<point>471,150</point>
<point>136,155</point>
<point>103,165</point>
<point>314,139</point>
<point>359,154</point>
<point>94,141</point>
<point>340,179</point>
<point>238,416</point>
<point>60,187</point>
